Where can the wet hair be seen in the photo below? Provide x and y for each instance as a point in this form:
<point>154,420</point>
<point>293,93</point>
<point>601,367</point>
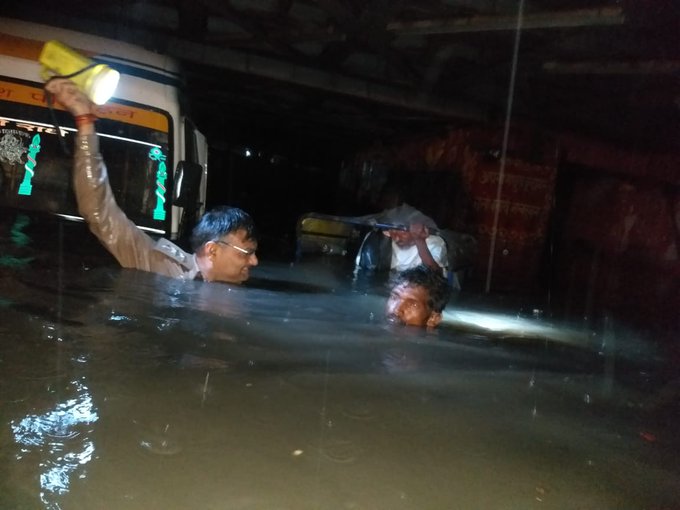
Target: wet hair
<point>438,289</point>
<point>219,222</point>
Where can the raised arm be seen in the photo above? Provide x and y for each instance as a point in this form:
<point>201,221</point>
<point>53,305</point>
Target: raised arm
<point>96,203</point>
<point>420,233</point>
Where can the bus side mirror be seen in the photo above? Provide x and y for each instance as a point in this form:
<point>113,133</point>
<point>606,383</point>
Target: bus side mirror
<point>188,177</point>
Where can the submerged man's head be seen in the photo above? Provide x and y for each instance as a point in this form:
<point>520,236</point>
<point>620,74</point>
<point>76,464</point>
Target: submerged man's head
<point>418,298</point>
<point>225,242</point>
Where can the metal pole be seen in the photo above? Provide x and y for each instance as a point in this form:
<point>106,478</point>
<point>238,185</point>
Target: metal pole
<point>506,131</point>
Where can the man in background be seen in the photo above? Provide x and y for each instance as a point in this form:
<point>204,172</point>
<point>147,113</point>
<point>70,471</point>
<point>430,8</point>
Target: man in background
<point>416,246</point>
<point>412,242</point>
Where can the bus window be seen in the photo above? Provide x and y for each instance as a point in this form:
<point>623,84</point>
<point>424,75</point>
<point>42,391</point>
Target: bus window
<point>36,172</point>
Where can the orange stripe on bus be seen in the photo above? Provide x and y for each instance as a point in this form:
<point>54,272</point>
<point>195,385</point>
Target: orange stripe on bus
<point>35,96</point>
<point>29,49</point>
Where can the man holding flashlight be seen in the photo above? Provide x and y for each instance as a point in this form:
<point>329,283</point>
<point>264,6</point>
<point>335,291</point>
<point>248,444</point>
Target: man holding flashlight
<point>224,240</point>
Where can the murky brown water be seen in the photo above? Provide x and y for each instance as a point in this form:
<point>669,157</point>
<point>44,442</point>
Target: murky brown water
<point>124,390</point>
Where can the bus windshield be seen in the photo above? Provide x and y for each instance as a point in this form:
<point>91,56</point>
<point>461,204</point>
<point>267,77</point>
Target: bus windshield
<point>37,165</point>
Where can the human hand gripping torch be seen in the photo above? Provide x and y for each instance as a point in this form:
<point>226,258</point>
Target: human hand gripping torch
<point>96,81</point>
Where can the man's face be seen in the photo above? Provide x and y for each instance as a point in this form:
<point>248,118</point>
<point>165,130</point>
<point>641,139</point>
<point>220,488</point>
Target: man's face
<point>407,305</point>
<point>402,238</point>
<point>230,264</point>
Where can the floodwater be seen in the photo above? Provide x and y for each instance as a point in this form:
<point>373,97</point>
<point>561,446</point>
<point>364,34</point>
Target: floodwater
<point>125,390</point>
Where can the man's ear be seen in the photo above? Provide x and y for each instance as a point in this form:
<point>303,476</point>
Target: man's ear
<point>434,319</point>
<point>210,249</point>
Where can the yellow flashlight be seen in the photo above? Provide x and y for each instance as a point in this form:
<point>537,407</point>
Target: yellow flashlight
<point>97,81</point>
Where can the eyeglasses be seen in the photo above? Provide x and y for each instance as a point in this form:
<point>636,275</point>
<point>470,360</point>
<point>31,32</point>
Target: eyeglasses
<point>246,252</point>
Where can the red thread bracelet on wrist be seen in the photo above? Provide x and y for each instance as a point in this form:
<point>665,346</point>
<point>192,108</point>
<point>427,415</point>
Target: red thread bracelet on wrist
<point>86,118</point>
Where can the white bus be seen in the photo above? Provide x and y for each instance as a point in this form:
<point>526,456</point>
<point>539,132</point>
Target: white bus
<point>149,147</point>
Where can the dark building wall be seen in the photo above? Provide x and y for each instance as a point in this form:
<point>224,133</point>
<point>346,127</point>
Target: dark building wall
<point>618,252</point>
